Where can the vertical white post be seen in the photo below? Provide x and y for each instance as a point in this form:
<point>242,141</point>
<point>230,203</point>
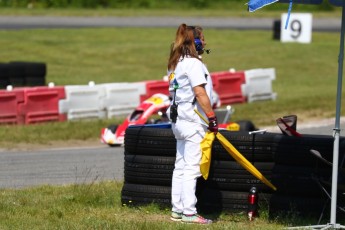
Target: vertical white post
<point>337,123</point>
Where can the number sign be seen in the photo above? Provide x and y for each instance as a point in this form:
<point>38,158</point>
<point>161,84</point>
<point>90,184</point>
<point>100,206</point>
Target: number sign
<point>299,28</point>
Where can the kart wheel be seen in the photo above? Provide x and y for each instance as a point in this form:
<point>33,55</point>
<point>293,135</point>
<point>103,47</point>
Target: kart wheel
<point>246,125</point>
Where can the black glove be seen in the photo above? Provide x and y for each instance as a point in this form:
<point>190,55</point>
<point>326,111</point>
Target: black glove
<point>213,124</point>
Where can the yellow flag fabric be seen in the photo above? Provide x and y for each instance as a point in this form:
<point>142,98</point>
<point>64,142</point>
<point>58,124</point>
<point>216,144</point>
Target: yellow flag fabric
<point>206,147</point>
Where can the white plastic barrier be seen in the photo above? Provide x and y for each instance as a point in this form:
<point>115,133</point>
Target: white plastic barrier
<point>122,98</point>
<point>258,84</point>
<point>83,102</point>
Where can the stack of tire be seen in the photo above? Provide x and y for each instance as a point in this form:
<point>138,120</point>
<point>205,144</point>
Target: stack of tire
<point>298,173</point>
<point>229,183</point>
<point>19,73</point>
<point>284,160</point>
<point>149,163</point>
<point>4,75</point>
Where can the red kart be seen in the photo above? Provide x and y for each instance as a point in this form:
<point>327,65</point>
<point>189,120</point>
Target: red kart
<point>153,111</point>
<point>150,111</point>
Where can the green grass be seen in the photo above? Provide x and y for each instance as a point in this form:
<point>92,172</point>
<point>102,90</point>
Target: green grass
<point>306,74</point>
<point>98,206</point>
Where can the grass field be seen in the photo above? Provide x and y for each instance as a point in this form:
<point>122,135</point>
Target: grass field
<point>98,206</point>
<point>306,74</point>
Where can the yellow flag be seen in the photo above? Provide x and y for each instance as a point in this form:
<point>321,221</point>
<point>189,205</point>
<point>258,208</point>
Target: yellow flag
<point>242,160</point>
<point>206,148</point>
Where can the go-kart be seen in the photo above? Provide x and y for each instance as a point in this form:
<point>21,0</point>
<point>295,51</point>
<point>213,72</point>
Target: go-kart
<point>153,111</point>
<point>150,111</point>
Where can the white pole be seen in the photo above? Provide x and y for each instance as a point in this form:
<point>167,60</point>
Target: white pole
<point>337,123</point>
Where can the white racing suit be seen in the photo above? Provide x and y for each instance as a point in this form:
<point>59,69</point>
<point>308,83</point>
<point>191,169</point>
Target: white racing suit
<point>189,130</point>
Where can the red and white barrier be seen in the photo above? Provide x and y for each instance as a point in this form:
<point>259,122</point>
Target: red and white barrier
<point>258,84</point>
<point>27,105</point>
<point>41,104</point>
<point>228,86</point>
<point>9,101</point>
<point>153,87</point>
<point>121,98</point>
<point>83,102</point>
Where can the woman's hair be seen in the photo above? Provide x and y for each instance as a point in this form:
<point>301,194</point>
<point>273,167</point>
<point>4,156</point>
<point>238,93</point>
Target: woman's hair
<point>184,44</point>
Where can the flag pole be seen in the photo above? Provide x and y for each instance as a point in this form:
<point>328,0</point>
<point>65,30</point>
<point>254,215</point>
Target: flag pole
<point>337,122</point>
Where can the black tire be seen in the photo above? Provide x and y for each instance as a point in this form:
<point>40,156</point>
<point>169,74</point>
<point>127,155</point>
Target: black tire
<point>296,186</point>
<point>255,148</point>
<point>208,199</point>
<point>16,74</point>
<point>32,69</point>
<point>28,73</point>
<point>150,141</point>
<point>214,199</point>
<point>4,75</point>
<point>147,141</point>
<point>299,205</point>
<point>138,194</point>
<point>299,180</point>
<point>291,150</point>
<point>34,81</point>
<point>156,162</point>
<point>161,142</point>
<point>150,170</point>
<point>230,175</point>
<point>226,175</point>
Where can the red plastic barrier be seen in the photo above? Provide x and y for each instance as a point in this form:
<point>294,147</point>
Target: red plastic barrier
<point>153,87</point>
<point>228,86</point>
<point>41,104</point>
<point>9,101</point>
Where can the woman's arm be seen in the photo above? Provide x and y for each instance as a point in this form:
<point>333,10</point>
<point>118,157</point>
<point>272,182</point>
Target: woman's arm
<point>203,100</point>
<point>205,103</point>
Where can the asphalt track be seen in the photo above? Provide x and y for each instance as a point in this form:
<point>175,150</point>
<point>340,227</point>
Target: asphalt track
<point>61,166</point>
<point>20,169</point>
<point>240,23</point>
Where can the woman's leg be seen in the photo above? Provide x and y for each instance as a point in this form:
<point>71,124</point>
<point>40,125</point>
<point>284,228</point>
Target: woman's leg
<point>187,165</point>
<point>192,157</point>
<point>176,187</point>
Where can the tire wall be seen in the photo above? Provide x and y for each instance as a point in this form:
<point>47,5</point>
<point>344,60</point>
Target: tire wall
<point>297,172</point>
<point>283,160</point>
<point>149,163</point>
